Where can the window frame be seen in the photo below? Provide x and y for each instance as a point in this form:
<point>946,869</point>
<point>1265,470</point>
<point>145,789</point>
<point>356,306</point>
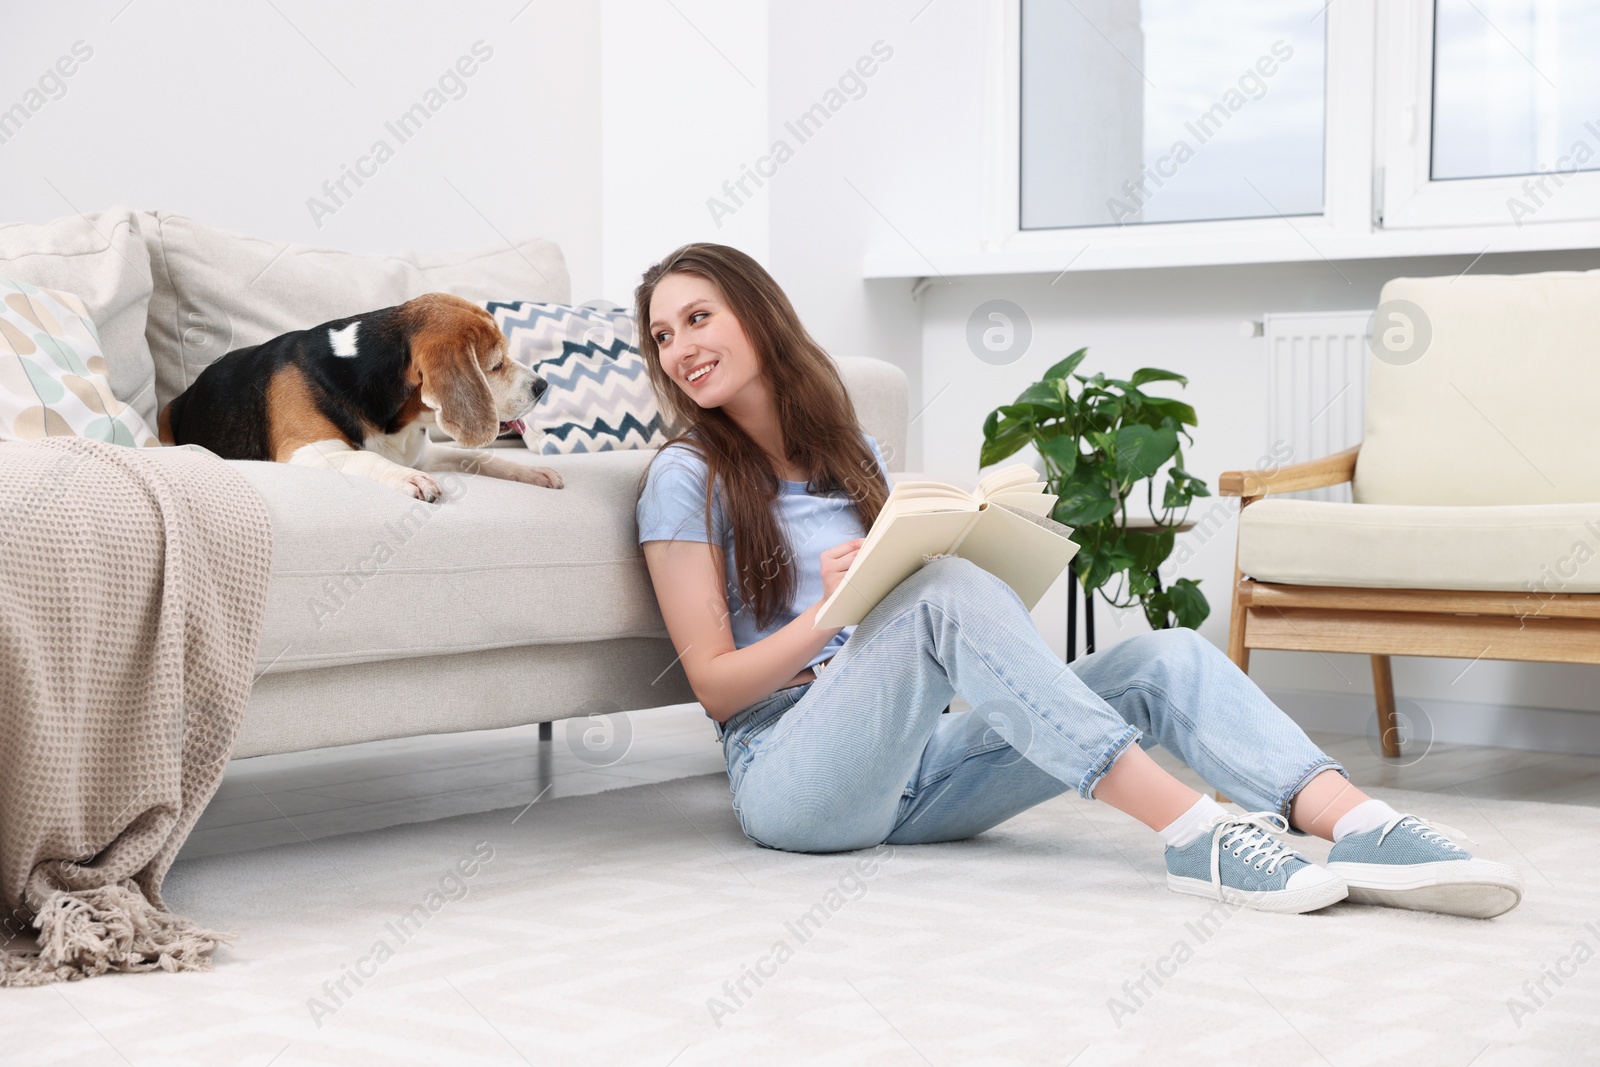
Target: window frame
<point>1347,156</point>
<point>1412,199</point>
<point>1363,208</point>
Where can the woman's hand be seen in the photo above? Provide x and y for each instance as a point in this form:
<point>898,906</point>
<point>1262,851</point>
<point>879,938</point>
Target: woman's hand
<point>835,561</point>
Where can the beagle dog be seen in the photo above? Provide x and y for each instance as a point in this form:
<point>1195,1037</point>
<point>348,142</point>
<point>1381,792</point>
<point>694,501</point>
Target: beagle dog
<point>358,395</point>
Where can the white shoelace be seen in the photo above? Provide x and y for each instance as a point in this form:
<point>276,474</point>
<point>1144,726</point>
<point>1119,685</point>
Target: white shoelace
<point>1249,837</point>
<point>1428,830</point>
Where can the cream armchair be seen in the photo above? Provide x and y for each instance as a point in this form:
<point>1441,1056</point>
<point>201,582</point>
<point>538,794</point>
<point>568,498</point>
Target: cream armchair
<point>1475,526</point>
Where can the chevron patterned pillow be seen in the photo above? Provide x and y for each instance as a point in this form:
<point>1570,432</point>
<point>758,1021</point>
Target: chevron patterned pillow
<point>600,397</point>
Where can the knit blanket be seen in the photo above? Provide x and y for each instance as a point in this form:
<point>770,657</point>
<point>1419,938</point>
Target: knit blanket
<point>132,587</point>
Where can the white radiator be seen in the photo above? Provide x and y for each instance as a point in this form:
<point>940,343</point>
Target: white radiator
<point>1317,386</point>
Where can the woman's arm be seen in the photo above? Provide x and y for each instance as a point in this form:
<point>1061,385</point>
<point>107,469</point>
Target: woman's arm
<point>688,580</point>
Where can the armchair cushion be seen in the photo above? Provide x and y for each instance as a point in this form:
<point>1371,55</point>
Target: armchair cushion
<point>1493,403</point>
<point>1551,547</point>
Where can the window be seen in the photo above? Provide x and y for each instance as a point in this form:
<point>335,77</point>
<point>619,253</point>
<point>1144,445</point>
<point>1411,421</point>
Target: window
<point>1162,133</point>
<point>1143,111</point>
<point>1513,95</point>
<point>1516,90</point>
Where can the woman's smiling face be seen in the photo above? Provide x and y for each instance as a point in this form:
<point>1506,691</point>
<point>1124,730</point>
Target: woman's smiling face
<point>696,333</point>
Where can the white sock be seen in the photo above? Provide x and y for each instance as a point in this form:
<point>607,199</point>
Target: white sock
<point>1186,827</point>
<point>1367,815</point>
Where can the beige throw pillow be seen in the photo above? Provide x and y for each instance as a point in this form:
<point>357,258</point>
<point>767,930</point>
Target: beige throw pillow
<point>216,291</point>
<point>53,373</point>
<point>99,257</point>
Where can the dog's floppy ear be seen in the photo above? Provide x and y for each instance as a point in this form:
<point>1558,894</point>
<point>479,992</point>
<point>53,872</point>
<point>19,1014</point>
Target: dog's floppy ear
<point>453,384</point>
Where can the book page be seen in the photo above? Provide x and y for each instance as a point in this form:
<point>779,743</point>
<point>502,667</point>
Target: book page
<point>1033,503</point>
<point>942,488</point>
<point>962,502</point>
<point>1015,476</point>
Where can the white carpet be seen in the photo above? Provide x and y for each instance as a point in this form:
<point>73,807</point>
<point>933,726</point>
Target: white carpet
<point>605,927</point>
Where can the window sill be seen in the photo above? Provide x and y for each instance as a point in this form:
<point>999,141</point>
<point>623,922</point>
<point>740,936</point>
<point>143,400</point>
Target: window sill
<point>1058,252</point>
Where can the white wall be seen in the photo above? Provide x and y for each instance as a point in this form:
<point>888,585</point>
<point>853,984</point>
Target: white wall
<point>889,164</point>
<point>684,99</point>
<point>236,115</point>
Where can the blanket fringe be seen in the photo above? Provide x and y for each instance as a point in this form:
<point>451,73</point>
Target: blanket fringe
<point>111,928</point>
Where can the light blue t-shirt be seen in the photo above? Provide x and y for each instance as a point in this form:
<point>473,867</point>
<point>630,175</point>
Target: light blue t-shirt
<point>672,508</point>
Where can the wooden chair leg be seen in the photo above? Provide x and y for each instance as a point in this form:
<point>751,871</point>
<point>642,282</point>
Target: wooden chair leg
<point>1383,689</point>
<point>1238,650</point>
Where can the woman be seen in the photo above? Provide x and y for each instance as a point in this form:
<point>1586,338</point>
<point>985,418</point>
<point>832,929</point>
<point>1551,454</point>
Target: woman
<point>749,519</point>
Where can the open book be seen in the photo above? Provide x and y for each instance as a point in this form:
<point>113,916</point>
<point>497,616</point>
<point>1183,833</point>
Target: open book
<point>1003,526</point>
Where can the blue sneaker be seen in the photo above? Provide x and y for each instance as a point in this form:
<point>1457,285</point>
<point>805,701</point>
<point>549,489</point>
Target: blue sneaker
<point>1237,860</point>
<point>1412,863</point>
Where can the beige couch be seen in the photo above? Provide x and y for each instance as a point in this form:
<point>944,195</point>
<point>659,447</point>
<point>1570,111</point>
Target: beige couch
<point>386,617</point>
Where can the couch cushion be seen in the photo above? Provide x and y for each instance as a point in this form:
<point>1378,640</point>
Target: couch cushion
<point>1489,398</point>
<point>100,258</point>
<point>1551,547</point>
<point>215,291</point>
<point>362,573</point>
<point>880,392</point>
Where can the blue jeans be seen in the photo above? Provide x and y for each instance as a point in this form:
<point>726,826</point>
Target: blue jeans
<point>863,755</point>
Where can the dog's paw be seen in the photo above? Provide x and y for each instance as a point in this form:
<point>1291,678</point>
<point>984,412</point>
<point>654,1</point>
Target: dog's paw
<point>423,487</point>
<point>550,479</point>
<point>547,477</point>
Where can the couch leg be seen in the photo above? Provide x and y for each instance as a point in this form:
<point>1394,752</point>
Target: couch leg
<point>546,731</point>
<point>1383,689</point>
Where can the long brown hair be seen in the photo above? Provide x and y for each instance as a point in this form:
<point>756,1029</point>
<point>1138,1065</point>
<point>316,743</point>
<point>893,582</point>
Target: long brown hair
<point>818,421</point>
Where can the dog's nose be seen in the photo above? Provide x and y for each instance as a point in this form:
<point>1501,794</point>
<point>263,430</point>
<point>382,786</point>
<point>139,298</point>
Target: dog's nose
<point>539,386</point>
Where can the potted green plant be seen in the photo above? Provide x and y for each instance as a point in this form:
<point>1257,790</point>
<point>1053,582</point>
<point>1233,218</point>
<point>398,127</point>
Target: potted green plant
<point>1098,446</point>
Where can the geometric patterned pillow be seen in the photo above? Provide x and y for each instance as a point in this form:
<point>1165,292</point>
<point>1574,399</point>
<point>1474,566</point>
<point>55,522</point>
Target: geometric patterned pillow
<point>53,371</point>
<point>600,398</point>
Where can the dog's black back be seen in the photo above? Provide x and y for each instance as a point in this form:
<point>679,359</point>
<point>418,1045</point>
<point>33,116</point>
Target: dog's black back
<point>226,408</point>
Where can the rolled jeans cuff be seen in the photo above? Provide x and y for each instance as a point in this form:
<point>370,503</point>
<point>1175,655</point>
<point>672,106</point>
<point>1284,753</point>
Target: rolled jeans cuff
<point>1091,779</point>
<point>1286,800</point>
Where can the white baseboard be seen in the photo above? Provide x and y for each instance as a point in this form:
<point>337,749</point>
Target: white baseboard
<point>1451,721</point>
